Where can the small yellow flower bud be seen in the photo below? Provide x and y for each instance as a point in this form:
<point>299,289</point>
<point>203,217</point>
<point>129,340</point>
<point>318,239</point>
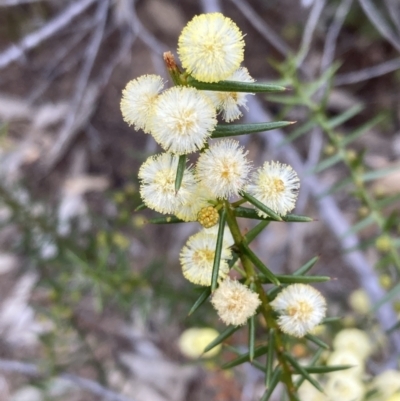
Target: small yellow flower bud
<point>383,243</point>
<point>120,240</point>
<point>208,217</point>
<point>379,191</point>
<point>359,301</point>
<point>363,211</point>
<point>351,155</point>
<point>385,281</point>
<point>119,197</point>
<point>138,221</point>
<point>329,150</point>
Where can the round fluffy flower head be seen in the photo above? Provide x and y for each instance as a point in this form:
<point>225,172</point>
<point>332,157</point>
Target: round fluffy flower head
<point>211,47</point>
<point>229,102</point>
<point>387,383</point>
<point>182,120</point>
<point>359,301</point>
<point>234,302</point>
<point>301,308</point>
<point>157,187</point>
<point>223,168</point>
<point>346,357</point>
<point>276,185</point>
<point>193,341</point>
<point>355,340</point>
<point>138,99</point>
<point>197,257</point>
<point>344,388</point>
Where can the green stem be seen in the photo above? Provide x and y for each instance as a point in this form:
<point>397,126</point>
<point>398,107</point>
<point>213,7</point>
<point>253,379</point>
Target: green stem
<point>266,309</point>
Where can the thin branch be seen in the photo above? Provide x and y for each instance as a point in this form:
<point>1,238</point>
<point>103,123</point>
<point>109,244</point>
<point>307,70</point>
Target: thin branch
<point>148,38</point>
<point>8,3</point>
<point>367,73</point>
<point>393,8</point>
<point>53,69</point>
<point>67,131</point>
<point>333,33</point>
<point>31,370</point>
<point>309,29</point>
<point>379,23</point>
<point>263,29</point>
<point>210,6</point>
<point>34,39</point>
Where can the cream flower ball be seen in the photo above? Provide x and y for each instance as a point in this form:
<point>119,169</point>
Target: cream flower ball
<point>182,120</point>
<point>301,308</point>
<point>234,302</point>
<point>276,185</point>
<point>157,184</point>
<point>211,47</point>
<point>193,341</point>
<point>197,257</point>
<point>355,340</point>
<point>229,103</point>
<point>223,168</point>
<point>344,388</point>
<point>138,99</point>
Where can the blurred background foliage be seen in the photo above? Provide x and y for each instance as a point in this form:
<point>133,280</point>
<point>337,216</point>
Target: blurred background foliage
<point>92,300</point>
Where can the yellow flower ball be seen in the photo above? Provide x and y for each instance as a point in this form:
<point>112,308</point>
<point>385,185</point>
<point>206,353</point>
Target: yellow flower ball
<point>211,47</point>
<point>193,341</point>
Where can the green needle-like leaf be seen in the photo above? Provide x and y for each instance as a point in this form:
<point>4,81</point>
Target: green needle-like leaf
<point>341,118</point>
<point>200,301</point>
<point>300,369</point>
<point>362,130</point>
<point>306,267</point>
<point>326,163</point>
<point>326,369</point>
<point>245,357</point>
<point>224,130</point>
<point>365,222</point>
<point>272,384</point>
<point>259,264</point>
<point>235,86</point>
<point>295,218</point>
<point>218,250</point>
<point>270,358</point>
<point>252,337</point>
<point>387,297</point>
<point>140,207</point>
<point>252,234</point>
<point>165,220</point>
<point>223,336</point>
<point>316,341</point>
<point>248,213</point>
<point>292,279</point>
<point>179,172</point>
<point>261,206</point>
<point>313,361</point>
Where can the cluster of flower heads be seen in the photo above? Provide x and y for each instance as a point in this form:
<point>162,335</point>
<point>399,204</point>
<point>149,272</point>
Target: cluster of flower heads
<point>181,119</point>
<point>352,347</point>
